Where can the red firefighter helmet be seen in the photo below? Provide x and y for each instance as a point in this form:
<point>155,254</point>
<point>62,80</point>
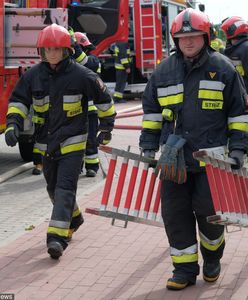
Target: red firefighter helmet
<point>54,36</point>
<point>82,39</point>
<point>190,22</point>
<point>234,26</point>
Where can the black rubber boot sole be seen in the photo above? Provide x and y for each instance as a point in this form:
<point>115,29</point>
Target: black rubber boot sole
<point>177,284</point>
<point>55,250</point>
<point>211,271</point>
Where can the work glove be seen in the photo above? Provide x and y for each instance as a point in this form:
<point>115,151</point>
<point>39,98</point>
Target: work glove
<point>104,137</point>
<point>11,135</point>
<point>128,70</point>
<point>149,153</point>
<point>181,174</point>
<point>238,156</point>
<point>171,162</point>
<point>73,37</point>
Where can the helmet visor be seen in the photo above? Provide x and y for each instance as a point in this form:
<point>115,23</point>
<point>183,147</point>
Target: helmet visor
<point>187,34</point>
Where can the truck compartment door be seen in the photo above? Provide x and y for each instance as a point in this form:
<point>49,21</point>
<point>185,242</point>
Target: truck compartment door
<point>22,26</point>
<point>104,22</point>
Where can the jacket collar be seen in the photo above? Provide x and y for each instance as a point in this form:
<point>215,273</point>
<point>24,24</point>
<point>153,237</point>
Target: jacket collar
<point>61,67</point>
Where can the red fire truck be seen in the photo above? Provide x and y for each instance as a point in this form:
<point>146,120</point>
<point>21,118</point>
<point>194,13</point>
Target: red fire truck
<point>143,23</point>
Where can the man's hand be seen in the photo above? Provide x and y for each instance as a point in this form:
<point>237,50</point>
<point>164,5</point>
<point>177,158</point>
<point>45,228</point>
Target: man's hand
<point>11,135</point>
<point>128,70</point>
<point>104,137</point>
<point>238,156</point>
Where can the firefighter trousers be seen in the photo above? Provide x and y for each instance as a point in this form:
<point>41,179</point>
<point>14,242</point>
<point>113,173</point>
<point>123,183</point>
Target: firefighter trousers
<point>184,205</point>
<point>91,158</point>
<point>121,81</point>
<point>61,174</point>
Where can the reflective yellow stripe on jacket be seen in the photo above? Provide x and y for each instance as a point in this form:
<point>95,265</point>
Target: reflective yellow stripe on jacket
<point>105,110</point>
<point>238,123</point>
<point>41,105</point>
<point>91,106</point>
<point>75,143</point>
<point>17,108</point>
<point>238,66</point>
<point>170,95</point>
<point>40,148</point>
<point>152,121</point>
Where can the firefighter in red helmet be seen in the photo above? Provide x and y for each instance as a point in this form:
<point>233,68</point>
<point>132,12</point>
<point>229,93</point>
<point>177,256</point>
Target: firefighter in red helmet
<point>59,89</point>
<point>236,31</point>
<point>193,100</point>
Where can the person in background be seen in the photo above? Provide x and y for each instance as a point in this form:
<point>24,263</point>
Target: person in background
<point>236,31</point>
<point>59,90</point>
<point>216,43</point>
<point>195,99</point>
<point>91,158</point>
<point>121,53</point>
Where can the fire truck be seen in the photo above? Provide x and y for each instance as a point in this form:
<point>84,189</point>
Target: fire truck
<point>143,23</point>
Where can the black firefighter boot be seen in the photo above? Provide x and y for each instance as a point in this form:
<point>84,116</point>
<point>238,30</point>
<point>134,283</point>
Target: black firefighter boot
<point>55,249</point>
<point>211,270</point>
<point>176,283</point>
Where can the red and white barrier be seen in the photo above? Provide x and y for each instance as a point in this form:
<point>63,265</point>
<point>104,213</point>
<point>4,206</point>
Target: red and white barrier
<point>135,195</point>
<point>229,188</point>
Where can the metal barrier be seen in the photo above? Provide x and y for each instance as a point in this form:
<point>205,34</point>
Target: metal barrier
<point>229,188</point>
<point>136,192</point>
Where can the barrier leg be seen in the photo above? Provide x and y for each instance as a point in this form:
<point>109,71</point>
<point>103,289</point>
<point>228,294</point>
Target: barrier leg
<point>213,189</point>
<point>149,194</point>
<point>156,202</point>
<point>120,185</point>
<point>131,187</point>
<point>108,183</point>
<point>141,190</point>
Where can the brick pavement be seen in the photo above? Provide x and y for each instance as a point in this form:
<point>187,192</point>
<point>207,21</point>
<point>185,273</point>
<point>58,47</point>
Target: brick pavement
<point>105,262</point>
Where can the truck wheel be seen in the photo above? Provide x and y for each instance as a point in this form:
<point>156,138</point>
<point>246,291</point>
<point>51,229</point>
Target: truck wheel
<point>26,150</point>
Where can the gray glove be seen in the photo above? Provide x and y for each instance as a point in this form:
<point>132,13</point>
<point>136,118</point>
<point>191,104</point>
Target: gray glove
<point>171,161</point>
<point>149,153</point>
<point>181,174</point>
<point>11,135</point>
<point>238,156</point>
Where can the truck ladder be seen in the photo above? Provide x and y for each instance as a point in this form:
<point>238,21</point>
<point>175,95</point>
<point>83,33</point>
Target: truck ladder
<point>148,49</point>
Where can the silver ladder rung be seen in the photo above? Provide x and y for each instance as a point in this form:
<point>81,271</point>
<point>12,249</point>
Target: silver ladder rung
<point>148,38</point>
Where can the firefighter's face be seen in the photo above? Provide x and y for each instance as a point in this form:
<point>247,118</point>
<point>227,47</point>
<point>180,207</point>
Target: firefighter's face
<point>54,55</point>
<point>191,45</point>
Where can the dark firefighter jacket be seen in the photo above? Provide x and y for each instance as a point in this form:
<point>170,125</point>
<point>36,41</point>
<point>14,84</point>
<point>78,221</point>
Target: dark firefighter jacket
<point>207,101</point>
<point>238,54</point>
<point>60,103</point>
<point>91,62</point>
<point>122,55</point>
